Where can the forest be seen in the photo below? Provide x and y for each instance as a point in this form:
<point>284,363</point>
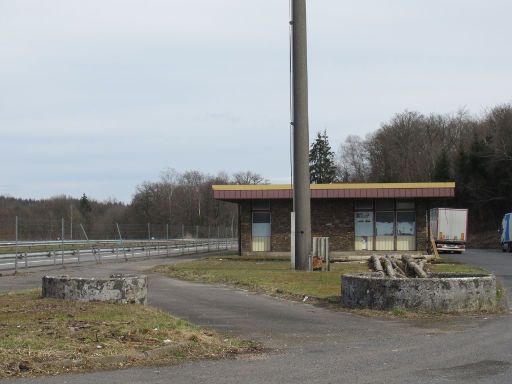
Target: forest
<point>474,151</point>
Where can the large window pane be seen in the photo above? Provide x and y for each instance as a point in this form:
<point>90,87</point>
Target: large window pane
<point>406,223</point>
<point>364,223</point>
<point>384,223</point>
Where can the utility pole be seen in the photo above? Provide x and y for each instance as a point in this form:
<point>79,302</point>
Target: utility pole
<point>301,182</point>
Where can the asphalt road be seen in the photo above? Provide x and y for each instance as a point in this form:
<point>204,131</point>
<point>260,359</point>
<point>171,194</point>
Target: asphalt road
<point>316,345</point>
<point>496,261</point>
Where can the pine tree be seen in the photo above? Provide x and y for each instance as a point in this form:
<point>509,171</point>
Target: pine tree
<point>322,169</point>
<point>85,206</point>
<point>442,167</point>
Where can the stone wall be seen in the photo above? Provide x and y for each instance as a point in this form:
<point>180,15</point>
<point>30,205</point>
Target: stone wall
<point>117,289</point>
<point>440,292</point>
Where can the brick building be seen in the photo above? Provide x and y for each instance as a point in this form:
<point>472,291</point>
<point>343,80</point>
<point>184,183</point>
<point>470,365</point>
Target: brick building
<point>356,217</point>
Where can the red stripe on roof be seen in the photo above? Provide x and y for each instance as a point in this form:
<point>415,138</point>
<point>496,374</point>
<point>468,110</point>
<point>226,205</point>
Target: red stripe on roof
<point>336,193</point>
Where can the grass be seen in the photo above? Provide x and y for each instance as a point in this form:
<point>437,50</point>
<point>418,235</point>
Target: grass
<point>37,333</point>
<point>268,275</point>
<point>446,265</point>
<point>273,275</point>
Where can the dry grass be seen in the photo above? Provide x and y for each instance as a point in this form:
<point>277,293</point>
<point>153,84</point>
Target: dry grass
<point>36,334</point>
<point>268,275</point>
<point>273,275</point>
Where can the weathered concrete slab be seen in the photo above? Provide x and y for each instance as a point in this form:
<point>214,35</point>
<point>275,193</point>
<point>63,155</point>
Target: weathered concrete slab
<point>440,292</point>
<point>117,289</point>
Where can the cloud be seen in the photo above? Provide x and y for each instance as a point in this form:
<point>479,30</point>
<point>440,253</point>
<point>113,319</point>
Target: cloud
<point>101,95</point>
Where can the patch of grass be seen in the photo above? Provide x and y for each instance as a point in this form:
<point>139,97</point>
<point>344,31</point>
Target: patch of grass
<point>268,275</point>
<point>35,333</point>
<point>455,267</point>
<point>399,312</point>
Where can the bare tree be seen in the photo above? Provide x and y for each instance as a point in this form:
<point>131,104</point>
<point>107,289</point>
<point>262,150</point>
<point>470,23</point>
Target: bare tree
<point>248,177</point>
<point>353,160</point>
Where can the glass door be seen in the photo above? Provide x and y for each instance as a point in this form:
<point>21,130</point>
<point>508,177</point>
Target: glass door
<point>261,231</point>
<point>364,231</point>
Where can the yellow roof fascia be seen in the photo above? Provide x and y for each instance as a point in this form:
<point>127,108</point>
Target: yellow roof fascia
<point>275,187</point>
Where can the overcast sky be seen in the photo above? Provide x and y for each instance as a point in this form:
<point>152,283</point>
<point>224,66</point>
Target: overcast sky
<point>97,96</point>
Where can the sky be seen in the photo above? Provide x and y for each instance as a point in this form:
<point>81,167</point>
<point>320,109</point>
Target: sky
<point>98,96</point>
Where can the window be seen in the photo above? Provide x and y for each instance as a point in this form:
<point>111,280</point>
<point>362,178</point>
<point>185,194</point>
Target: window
<point>260,217</point>
<point>364,231</point>
<point>384,205</point>
<point>261,226</point>
<point>261,205</point>
<point>405,205</point>
<point>405,223</point>
<point>385,223</point>
<point>363,204</point>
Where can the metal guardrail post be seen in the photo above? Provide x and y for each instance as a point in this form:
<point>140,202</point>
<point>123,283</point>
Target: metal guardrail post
<point>16,247</point>
<point>121,241</point>
<point>62,240</point>
<point>167,238</point>
<point>182,239</point>
<point>197,236</point>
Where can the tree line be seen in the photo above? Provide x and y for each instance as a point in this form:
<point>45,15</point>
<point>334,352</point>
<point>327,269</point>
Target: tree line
<point>473,151</point>
<point>182,200</point>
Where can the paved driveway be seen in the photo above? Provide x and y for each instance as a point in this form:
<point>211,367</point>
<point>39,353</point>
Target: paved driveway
<point>494,260</point>
<point>314,345</point>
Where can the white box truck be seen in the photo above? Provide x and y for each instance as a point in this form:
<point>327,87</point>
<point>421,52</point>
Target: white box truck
<point>506,232</point>
<point>449,228</point>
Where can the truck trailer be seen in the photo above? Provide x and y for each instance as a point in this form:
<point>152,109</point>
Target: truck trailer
<point>449,228</point>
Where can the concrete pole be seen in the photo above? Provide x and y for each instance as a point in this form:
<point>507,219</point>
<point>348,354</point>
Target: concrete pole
<point>301,183</point>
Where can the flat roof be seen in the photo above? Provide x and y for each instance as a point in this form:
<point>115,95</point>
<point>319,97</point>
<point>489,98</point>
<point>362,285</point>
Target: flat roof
<point>233,192</point>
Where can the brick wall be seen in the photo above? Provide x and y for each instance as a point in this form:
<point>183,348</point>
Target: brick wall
<point>281,225</point>
<point>421,225</point>
<point>329,218</point>
<point>334,219</point>
<point>245,226</point>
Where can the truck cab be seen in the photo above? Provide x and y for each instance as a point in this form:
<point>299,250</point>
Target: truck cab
<point>505,242</point>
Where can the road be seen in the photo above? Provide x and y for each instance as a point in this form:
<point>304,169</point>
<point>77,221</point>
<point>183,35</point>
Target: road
<point>496,261</point>
<point>312,344</point>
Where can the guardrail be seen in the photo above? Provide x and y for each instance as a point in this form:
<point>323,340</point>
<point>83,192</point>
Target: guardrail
<point>24,255</point>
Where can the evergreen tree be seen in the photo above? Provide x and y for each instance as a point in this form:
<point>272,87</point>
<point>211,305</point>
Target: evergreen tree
<point>85,206</point>
<point>322,169</point>
<point>85,209</point>
<point>442,167</point>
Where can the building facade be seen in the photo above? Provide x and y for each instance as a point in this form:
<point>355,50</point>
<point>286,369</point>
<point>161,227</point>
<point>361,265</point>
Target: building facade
<point>361,218</point>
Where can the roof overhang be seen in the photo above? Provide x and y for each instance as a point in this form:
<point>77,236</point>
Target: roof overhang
<point>336,191</point>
